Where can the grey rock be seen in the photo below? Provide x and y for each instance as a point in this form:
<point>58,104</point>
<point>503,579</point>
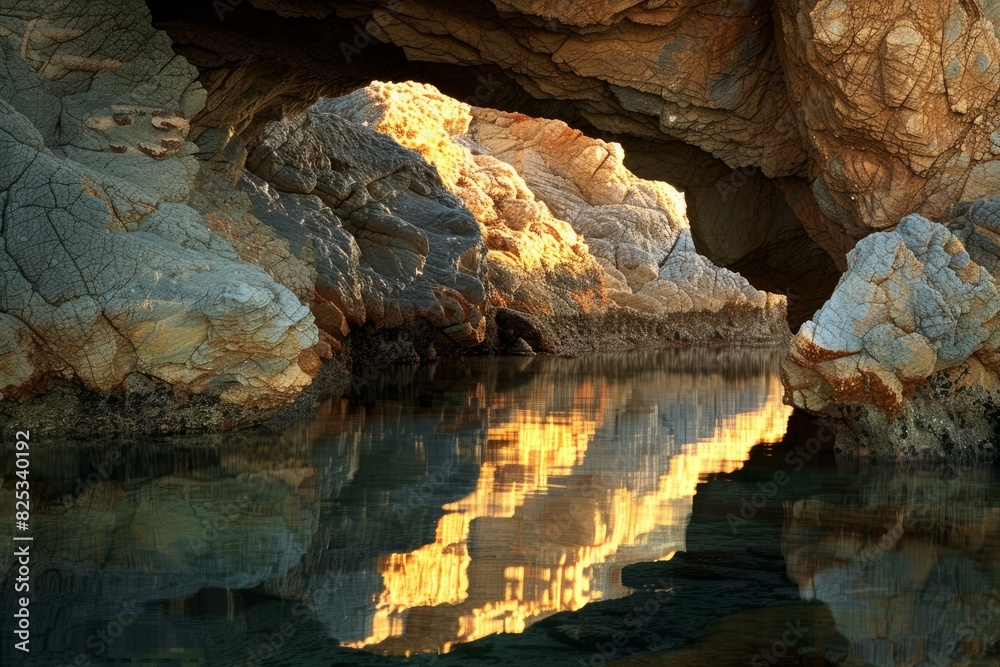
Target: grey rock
<point>106,266</point>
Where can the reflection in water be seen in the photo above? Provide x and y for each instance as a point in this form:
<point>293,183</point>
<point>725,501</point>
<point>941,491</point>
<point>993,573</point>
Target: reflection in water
<point>906,563</point>
<point>572,486</point>
<point>452,503</point>
<point>449,503</point>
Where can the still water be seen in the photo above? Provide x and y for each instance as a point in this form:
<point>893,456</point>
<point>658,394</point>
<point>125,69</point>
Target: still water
<point>657,508</point>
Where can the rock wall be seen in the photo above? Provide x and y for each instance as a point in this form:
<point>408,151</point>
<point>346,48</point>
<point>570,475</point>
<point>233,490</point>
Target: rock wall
<point>131,263</point>
<point>260,61</point>
<point>860,112</point>
<point>887,110</point>
<point>520,216</point>
<point>898,106</point>
<point>144,267</point>
<point>117,265</point>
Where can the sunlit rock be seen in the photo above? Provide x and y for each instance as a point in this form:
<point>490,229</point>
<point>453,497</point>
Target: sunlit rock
<point>391,246</point>
<point>567,229</point>
<point>134,271</point>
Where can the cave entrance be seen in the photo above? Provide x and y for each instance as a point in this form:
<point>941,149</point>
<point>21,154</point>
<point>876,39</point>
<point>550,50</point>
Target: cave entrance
<point>260,64</point>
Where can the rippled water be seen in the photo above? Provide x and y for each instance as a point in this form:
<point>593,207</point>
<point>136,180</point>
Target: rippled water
<point>511,511</point>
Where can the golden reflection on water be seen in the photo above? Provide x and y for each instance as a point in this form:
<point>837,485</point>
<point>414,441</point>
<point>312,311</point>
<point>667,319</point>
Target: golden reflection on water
<point>562,502</point>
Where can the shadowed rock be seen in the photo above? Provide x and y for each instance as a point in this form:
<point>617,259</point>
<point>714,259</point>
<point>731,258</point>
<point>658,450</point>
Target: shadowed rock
<point>108,269</point>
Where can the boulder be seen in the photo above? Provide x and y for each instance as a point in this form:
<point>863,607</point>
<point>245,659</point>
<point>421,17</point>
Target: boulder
<point>391,246</point>
<point>117,259</point>
<point>906,349</point>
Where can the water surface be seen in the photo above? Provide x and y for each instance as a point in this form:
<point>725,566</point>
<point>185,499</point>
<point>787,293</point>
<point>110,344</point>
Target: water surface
<point>510,511</point>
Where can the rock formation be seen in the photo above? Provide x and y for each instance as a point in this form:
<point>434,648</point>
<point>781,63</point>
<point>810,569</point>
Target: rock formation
<point>117,266</point>
<point>906,349</point>
<point>742,220</point>
<point>488,213</point>
<point>708,76</point>
<point>897,106</point>
<point>801,130</point>
<point>858,113</point>
<point>886,110</point>
<point>132,270</point>
<point>566,228</point>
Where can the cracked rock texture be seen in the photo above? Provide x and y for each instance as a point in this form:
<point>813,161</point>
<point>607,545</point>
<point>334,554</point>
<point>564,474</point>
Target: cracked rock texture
<point>897,105</point>
<point>906,349</point>
<point>547,225</point>
<point>112,270</point>
<point>887,108</point>
<point>391,245</point>
<point>859,113</point>
<point>144,271</point>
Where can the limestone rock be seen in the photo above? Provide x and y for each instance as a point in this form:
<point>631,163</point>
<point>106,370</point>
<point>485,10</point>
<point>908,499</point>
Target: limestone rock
<point>705,75</point>
<point>866,112</point>
<point>914,317</point>
<point>568,229</point>
<point>139,259</point>
<point>537,262</point>
<point>708,75</point>
<point>898,106</point>
<point>391,246</point>
<point>108,264</point>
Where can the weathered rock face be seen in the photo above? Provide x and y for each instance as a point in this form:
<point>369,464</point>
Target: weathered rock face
<point>623,66</point>
<point>131,266</point>
<point>110,267</point>
<point>541,189</point>
<point>744,222</point>
<point>862,112</point>
<point>906,349</point>
<point>665,73</point>
<point>391,245</point>
<point>897,106</point>
<point>879,105</point>
<point>550,224</point>
<point>537,263</point>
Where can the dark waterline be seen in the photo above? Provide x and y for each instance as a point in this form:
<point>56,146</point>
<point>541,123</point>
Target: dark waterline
<point>587,509</point>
